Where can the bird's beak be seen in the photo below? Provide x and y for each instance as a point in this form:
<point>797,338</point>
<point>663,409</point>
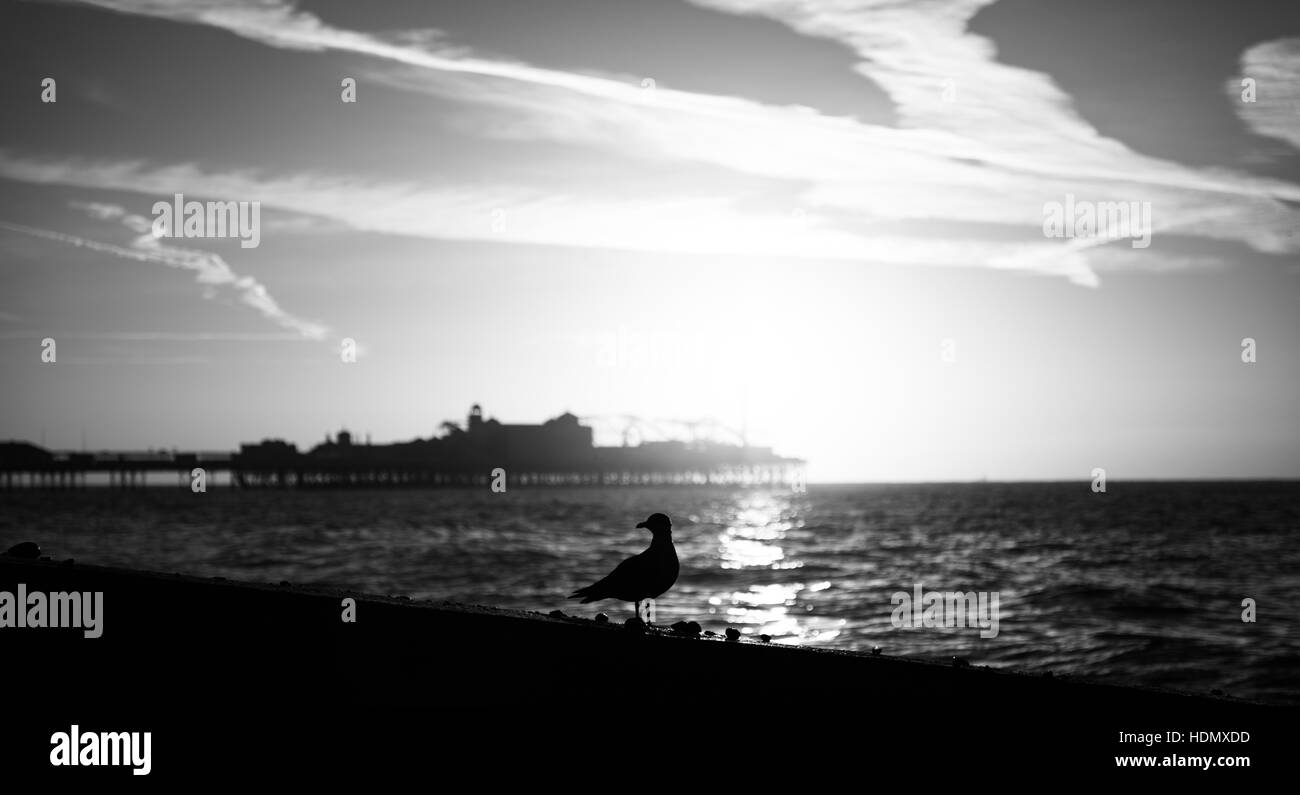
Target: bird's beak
<point>643,524</point>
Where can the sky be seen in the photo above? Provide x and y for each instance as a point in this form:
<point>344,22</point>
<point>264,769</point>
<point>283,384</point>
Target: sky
<point>818,222</point>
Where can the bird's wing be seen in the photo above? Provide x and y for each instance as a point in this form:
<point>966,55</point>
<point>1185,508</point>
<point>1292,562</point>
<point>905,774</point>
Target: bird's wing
<point>626,571</point>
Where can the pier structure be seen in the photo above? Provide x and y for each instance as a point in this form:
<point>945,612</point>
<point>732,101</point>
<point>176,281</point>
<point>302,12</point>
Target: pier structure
<point>558,452</point>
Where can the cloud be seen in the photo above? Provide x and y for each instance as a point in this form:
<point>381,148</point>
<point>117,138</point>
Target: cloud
<point>1009,141</point>
<point>162,336</point>
<point>209,268</point>
<point>1275,68</point>
<point>709,225</point>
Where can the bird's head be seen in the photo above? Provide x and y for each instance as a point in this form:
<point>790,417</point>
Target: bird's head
<point>658,524</point>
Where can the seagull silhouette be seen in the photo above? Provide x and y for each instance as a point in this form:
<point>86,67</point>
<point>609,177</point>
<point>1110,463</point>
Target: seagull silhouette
<point>645,576</point>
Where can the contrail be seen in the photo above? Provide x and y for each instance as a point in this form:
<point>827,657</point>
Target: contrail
<point>211,268</point>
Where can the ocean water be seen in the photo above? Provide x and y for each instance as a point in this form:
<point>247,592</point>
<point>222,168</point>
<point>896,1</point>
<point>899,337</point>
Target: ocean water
<point>1142,584</point>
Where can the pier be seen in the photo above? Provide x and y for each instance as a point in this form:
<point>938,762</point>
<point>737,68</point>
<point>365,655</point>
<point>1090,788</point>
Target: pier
<point>484,453</point>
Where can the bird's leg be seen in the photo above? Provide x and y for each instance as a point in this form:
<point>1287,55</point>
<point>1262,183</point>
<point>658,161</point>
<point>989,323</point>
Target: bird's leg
<point>638,610</point>
<point>649,612</point>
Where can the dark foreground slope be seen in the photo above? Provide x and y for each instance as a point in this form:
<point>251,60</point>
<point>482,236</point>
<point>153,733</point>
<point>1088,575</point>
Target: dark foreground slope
<point>234,677</point>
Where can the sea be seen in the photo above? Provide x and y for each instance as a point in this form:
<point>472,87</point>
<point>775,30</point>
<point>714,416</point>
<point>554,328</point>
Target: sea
<point>1145,583</point>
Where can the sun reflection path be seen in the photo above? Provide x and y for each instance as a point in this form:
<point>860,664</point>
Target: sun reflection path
<point>753,536</point>
<point>752,540</point>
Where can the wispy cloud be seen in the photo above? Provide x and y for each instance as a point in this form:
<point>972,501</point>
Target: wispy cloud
<point>1008,141</point>
<point>521,215</point>
<point>210,269</point>
<point>160,336</point>
<point>1275,109</point>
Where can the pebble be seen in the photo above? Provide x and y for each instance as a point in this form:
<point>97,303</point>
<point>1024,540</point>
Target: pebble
<point>765,638</point>
<point>710,633</point>
<point>875,651</point>
<point>733,633</point>
<point>556,614</point>
<point>601,618</point>
<point>634,625</point>
<point>960,662</point>
<point>691,628</point>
